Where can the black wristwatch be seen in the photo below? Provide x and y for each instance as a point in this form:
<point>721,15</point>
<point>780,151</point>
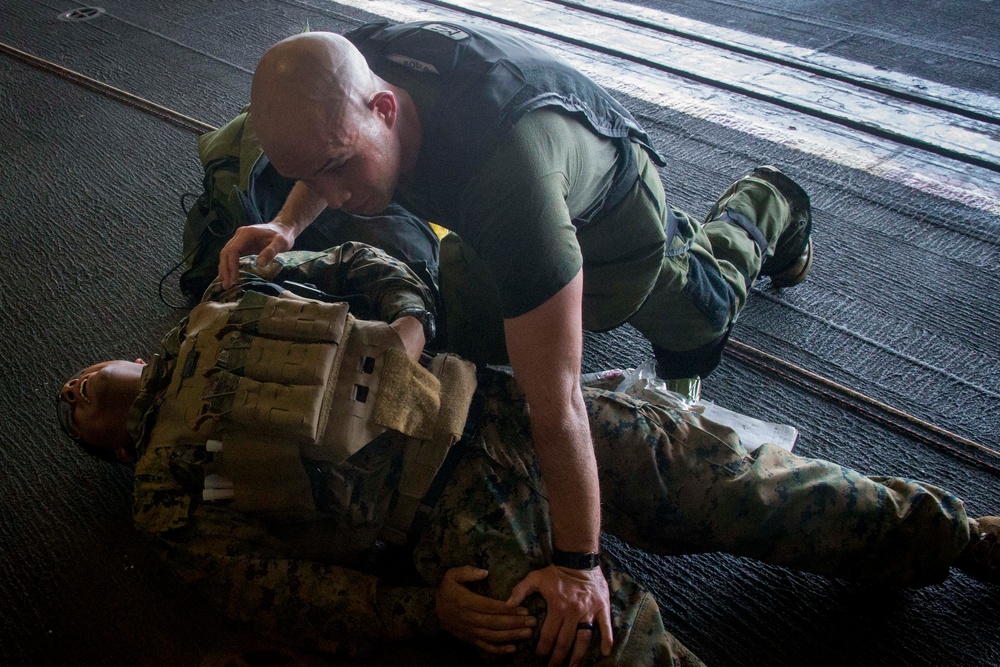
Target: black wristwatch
<point>576,561</point>
<point>426,318</point>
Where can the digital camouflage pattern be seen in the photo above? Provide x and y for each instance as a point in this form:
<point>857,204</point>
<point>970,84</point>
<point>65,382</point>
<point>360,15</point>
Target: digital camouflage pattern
<point>671,482</point>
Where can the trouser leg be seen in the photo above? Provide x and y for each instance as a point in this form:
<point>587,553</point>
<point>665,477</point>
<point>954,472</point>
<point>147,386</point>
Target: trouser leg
<point>672,482</point>
<point>706,276</point>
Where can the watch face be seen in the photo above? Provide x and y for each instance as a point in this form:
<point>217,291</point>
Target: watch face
<point>426,318</point>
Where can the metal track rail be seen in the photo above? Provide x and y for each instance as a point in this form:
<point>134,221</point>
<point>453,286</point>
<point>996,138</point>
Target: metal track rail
<point>944,129</point>
<point>898,92</point>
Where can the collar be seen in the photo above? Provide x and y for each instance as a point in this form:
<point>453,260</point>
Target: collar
<point>154,379</point>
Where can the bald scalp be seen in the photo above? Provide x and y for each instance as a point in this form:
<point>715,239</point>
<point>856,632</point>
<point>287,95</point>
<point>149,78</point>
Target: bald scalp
<point>313,77</point>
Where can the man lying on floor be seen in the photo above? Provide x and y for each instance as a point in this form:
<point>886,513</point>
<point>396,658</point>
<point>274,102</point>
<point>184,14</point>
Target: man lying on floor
<point>279,443</point>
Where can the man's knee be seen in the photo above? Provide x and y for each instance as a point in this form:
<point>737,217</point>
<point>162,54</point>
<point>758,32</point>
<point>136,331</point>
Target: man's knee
<point>699,362</point>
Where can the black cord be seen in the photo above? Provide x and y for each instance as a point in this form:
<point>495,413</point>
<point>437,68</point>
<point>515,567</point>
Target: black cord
<point>208,230</point>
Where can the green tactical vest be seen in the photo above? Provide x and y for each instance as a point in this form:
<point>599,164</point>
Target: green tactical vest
<point>266,381</point>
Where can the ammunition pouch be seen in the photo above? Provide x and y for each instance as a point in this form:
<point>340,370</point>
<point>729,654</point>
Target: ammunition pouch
<point>270,380</point>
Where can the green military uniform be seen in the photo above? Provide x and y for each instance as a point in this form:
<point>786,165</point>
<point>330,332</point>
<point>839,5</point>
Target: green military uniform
<point>518,242</point>
<point>536,196</point>
<point>671,482</point>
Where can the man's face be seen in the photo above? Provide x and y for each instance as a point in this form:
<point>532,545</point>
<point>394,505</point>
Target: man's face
<point>96,402</point>
<point>351,160</point>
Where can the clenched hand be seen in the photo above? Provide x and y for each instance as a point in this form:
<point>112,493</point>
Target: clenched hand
<point>571,597</point>
<point>267,240</point>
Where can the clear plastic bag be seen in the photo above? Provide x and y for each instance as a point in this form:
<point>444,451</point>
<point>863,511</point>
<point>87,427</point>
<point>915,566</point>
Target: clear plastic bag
<point>684,393</point>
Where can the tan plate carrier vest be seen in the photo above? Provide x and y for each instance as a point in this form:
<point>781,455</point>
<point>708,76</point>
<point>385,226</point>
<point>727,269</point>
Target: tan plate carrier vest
<point>266,381</point>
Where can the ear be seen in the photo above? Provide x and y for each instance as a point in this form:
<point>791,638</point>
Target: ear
<point>140,362</point>
<point>125,454</point>
<point>384,103</point>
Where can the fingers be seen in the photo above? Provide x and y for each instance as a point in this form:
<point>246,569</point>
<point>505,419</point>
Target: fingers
<point>496,649</point>
<point>247,240</point>
<point>493,626</point>
<point>526,587</point>
<point>580,646</point>
<point>490,624</point>
<point>568,636</point>
<point>503,641</point>
<point>229,259</point>
<point>499,629</point>
<point>277,245</point>
<point>571,597</point>
<point>607,634</point>
<point>474,603</point>
<point>466,573</point>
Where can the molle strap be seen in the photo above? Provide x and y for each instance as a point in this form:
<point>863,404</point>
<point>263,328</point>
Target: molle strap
<point>304,320</point>
<point>422,459</point>
<point>289,408</point>
<point>271,360</point>
<point>747,225</point>
<point>289,318</point>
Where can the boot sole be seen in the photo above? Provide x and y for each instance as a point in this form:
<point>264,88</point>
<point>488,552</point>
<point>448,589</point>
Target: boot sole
<point>797,272</point>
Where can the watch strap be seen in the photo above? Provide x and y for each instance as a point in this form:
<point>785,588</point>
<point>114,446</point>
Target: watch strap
<point>426,318</point>
<point>576,560</point>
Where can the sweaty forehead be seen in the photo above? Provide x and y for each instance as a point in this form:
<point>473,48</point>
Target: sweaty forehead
<point>308,144</point>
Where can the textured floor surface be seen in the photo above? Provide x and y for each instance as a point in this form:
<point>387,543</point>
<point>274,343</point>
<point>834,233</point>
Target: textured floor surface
<point>901,306</point>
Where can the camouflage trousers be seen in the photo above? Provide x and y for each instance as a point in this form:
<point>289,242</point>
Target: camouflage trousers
<point>674,483</point>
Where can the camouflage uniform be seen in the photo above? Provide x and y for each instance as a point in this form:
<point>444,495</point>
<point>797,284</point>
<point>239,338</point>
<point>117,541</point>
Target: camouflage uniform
<point>671,483</point>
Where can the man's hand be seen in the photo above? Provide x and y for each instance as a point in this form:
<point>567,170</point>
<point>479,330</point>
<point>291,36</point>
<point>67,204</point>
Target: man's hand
<point>267,239</point>
<point>489,624</point>
<point>571,597</point>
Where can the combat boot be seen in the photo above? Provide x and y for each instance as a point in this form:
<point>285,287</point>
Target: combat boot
<point>793,253</point>
<point>981,557</point>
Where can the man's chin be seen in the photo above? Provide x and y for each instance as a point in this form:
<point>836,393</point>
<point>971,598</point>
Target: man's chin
<point>368,208</point>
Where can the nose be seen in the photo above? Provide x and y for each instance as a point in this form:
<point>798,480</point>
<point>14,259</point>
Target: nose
<point>336,195</point>
<point>71,391</point>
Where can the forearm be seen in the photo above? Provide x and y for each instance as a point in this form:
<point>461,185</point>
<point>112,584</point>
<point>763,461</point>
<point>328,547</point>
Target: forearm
<point>301,207</point>
<point>566,459</point>
<point>545,347</point>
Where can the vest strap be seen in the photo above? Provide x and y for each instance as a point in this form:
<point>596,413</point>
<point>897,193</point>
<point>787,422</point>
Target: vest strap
<point>423,459</point>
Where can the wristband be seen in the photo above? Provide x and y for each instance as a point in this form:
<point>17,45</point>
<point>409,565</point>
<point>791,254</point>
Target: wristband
<point>426,319</point>
<point>576,561</point>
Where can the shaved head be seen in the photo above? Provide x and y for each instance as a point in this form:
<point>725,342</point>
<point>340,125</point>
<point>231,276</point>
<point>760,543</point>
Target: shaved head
<point>326,120</point>
<point>314,77</point>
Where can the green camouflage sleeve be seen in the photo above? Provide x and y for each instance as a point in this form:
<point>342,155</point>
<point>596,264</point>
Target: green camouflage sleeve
<point>356,268</point>
<point>247,574</point>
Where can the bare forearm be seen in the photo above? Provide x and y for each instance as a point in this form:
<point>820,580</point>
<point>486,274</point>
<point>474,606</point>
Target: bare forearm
<point>566,458</point>
<point>300,208</point>
<point>545,347</point>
